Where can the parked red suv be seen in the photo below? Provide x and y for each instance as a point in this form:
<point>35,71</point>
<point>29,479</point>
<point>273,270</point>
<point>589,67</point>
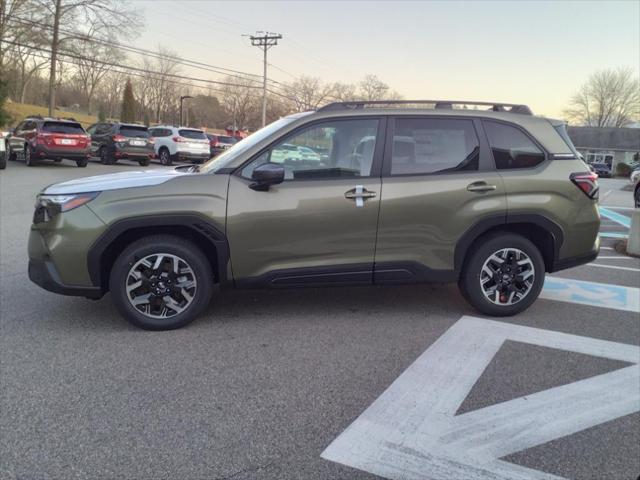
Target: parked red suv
<point>37,138</point>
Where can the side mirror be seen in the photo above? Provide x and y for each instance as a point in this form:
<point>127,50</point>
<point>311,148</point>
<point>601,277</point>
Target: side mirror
<point>266,175</point>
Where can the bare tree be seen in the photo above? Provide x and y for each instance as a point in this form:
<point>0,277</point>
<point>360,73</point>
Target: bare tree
<point>109,16</point>
<point>344,92</point>
<point>110,91</point>
<point>372,88</point>
<point>307,93</point>
<point>158,93</point>
<point>238,100</point>
<point>609,98</point>
<point>27,62</point>
<point>12,28</point>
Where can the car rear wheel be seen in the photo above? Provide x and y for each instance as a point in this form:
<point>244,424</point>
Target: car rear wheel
<point>503,274</point>
<point>144,162</point>
<point>28,156</point>
<point>82,162</point>
<point>3,160</point>
<point>636,196</point>
<point>161,282</point>
<point>165,157</point>
<point>105,156</point>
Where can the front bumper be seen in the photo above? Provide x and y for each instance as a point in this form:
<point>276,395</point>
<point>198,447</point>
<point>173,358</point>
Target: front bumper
<point>44,274</point>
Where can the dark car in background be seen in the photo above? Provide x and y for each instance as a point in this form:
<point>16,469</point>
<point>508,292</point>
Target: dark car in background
<point>113,141</point>
<point>602,169</point>
<point>38,138</point>
<point>219,143</point>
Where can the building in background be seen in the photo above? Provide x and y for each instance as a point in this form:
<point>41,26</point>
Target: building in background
<point>607,145</point>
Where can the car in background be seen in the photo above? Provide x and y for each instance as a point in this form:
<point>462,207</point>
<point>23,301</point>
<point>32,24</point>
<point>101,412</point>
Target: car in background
<point>293,153</point>
<point>220,143</point>
<point>3,157</point>
<point>180,144</point>
<point>635,181</point>
<point>602,169</point>
<point>113,141</point>
<point>38,138</point>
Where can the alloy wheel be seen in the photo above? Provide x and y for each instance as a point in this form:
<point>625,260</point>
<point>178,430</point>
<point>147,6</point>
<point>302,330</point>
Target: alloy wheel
<point>507,276</point>
<point>161,285</point>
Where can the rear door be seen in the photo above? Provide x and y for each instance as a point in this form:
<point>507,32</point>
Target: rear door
<point>438,182</point>
<point>319,225</point>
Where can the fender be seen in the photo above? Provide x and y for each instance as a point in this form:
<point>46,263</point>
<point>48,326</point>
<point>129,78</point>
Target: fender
<point>200,225</point>
<point>487,223</point>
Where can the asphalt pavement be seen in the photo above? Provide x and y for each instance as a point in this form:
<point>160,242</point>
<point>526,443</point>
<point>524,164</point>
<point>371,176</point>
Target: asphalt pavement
<point>265,381</point>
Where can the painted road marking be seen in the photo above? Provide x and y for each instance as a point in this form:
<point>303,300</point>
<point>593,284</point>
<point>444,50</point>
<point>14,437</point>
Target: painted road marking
<point>614,267</point>
<point>411,431</point>
<point>613,235</point>
<point>616,217</point>
<point>618,208</point>
<point>594,294</point>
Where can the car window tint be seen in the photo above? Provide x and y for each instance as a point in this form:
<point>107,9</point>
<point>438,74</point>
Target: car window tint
<point>192,134</point>
<point>511,147</point>
<point>62,127</point>
<point>226,139</point>
<point>328,150</point>
<point>432,145</point>
<point>134,132</point>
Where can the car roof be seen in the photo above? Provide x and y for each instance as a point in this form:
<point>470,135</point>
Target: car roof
<point>51,119</point>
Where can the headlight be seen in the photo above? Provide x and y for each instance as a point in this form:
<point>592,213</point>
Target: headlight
<point>48,206</point>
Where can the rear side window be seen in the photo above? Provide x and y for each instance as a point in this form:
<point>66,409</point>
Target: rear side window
<point>511,147</point>
<point>134,132</point>
<point>62,127</point>
<point>432,145</point>
<point>192,134</point>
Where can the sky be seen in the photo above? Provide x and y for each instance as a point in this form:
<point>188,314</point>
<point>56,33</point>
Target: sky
<point>532,52</point>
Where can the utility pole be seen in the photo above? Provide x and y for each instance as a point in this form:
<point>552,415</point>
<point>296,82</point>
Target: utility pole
<point>265,42</point>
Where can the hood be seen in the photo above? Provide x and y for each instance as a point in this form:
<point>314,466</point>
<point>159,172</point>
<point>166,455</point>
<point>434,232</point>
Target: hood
<point>113,181</point>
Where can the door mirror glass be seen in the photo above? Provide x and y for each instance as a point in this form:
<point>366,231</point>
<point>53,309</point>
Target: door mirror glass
<point>266,175</point>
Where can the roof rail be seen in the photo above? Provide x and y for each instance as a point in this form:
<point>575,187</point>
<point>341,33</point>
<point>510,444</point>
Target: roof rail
<point>436,104</point>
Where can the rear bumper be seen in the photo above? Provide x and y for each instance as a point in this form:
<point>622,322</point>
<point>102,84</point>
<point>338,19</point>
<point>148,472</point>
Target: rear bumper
<point>192,156</point>
<point>44,274</point>
<point>577,260</point>
<point>41,151</point>
<point>133,152</point>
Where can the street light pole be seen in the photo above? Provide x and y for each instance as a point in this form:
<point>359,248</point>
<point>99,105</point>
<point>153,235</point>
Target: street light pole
<point>182,99</point>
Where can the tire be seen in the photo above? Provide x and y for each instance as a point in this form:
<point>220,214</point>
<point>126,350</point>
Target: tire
<point>105,156</point>
<point>507,279</point>
<point>139,259</point>
<point>57,160</point>
<point>636,196</point>
<point>28,156</point>
<point>11,156</point>
<point>165,157</point>
<point>3,160</point>
<point>82,163</point>
<point>145,162</point>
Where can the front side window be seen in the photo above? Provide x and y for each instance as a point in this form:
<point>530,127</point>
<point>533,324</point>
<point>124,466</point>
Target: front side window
<point>511,147</point>
<point>434,145</point>
<point>333,149</point>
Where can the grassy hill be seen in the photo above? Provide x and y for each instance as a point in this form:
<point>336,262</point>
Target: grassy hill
<point>20,110</point>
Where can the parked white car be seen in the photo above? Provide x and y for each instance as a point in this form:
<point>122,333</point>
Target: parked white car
<point>180,144</point>
<point>293,152</point>
<point>3,154</point>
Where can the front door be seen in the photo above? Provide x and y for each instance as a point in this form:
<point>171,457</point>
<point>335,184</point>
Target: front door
<point>319,225</point>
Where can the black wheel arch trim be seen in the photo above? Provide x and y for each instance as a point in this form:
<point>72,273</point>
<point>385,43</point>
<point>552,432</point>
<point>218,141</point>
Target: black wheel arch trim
<point>199,224</point>
<point>490,222</point>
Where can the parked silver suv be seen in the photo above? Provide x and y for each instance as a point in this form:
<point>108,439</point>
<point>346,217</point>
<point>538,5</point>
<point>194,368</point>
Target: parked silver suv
<point>180,143</point>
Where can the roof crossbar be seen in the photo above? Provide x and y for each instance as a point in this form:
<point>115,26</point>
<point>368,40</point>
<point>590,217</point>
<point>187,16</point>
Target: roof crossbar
<point>437,104</point>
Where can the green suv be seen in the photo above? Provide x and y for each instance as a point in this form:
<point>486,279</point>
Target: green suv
<point>485,195</point>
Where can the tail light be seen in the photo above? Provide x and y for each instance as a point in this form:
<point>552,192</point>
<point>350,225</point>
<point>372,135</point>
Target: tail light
<point>587,182</point>
<point>43,139</point>
<point>179,139</point>
<point>118,138</point>
<point>213,142</point>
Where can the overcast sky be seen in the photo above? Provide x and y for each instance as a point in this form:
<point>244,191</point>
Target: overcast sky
<point>524,52</point>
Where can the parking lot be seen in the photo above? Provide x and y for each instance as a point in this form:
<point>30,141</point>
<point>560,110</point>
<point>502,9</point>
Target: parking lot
<point>348,383</point>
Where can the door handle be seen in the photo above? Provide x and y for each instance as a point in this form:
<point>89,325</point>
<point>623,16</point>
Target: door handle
<point>359,194</point>
<point>480,187</point>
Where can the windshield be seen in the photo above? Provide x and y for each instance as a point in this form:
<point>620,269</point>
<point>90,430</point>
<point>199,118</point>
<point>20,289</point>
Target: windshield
<point>224,159</point>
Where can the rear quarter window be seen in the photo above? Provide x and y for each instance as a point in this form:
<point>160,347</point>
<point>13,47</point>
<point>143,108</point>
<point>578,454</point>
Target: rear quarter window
<point>62,127</point>
<point>192,134</point>
<point>512,148</point>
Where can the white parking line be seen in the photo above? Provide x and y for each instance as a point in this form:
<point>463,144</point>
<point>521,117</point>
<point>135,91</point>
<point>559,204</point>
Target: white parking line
<point>607,248</point>
<point>412,432</point>
<point>614,267</point>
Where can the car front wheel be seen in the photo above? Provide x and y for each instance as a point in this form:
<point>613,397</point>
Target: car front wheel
<point>503,274</point>
<point>637,196</point>
<point>161,282</point>
<point>28,156</point>
<point>165,157</point>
